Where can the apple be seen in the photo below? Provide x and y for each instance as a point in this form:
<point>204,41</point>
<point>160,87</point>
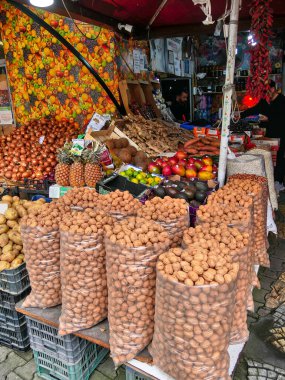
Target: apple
<point>191,160</point>
<point>198,164</point>
<point>159,161</point>
<point>22,29</point>
<point>182,162</point>
<point>179,170</point>
<point>190,173</point>
<point>181,155</point>
<point>207,168</point>
<point>153,168</point>
<point>54,23</point>
<point>164,163</point>
<point>59,74</point>
<point>173,161</point>
<point>167,171</point>
<point>191,166</point>
<point>207,160</point>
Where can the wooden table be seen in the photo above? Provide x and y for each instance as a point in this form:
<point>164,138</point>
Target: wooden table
<point>98,334</point>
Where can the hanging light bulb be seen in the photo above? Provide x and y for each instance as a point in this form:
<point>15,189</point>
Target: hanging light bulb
<point>41,3</point>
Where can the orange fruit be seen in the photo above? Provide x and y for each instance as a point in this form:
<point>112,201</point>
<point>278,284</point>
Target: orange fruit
<point>84,97</point>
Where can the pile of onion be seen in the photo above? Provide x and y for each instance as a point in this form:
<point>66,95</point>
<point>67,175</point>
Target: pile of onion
<point>21,154</point>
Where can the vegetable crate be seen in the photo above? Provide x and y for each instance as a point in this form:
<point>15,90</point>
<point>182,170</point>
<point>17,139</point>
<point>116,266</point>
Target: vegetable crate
<point>16,338</point>
<point>50,368</point>
<point>134,375</point>
<point>15,281</point>
<point>45,338</point>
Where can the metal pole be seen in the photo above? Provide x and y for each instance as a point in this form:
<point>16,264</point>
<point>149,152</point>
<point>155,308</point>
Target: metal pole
<point>228,89</point>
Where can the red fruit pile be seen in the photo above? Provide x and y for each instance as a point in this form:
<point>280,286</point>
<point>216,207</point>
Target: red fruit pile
<point>184,166</point>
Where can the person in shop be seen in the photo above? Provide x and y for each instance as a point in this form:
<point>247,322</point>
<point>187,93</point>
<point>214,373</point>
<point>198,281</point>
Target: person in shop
<point>179,106</point>
<point>272,118</point>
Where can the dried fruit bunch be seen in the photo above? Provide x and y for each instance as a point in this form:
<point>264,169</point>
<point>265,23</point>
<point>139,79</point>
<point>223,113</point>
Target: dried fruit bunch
<point>119,204</point>
<point>81,197</point>
<point>41,242</point>
<point>229,214</point>
<point>83,270</point>
<point>171,213</point>
<point>62,170</point>
<point>132,248</point>
<point>192,323</point>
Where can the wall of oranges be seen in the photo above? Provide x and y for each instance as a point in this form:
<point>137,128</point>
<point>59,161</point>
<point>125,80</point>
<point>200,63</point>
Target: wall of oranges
<point>45,78</point>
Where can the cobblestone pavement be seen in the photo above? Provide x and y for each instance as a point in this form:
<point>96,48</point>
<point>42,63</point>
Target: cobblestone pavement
<point>15,365</point>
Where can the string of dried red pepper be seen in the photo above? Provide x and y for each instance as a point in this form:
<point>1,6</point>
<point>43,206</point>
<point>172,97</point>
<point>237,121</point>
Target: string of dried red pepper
<point>260,65</point>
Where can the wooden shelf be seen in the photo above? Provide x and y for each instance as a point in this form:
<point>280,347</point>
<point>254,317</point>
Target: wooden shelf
<point>98,334</point>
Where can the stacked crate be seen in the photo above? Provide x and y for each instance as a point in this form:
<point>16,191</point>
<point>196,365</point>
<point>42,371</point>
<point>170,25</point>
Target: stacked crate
<point>14,286</point>
<point>62,357</point>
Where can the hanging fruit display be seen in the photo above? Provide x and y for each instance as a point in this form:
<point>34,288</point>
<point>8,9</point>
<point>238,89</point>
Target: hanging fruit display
<point>260,65</point>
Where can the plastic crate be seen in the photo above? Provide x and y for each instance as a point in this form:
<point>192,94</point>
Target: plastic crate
<point>9,301</point>
<point>11,318</point>
<point>50,368</point>
<point>68,348</point>
<point>117,182</point>
<point>16,338</point>
<point>15,281</point>
<point>134,375</point>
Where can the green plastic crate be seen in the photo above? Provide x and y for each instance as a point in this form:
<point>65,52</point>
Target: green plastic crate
<point>51,368</point>
<point>134,375</point>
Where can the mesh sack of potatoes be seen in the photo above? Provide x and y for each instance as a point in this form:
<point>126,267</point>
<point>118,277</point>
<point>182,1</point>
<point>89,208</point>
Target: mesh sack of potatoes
<point>193,315</point>
<point>233,242</point>
<point>119,204</point>
<point>80,198</point>
<point>41,242</point>
<point>172,214</point>
<point>257,187</point>
<point>83,271</point>
<point>132,249</point>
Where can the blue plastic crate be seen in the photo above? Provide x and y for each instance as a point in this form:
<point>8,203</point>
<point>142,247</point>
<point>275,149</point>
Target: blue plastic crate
<point>16,338</point>
<point>10,318</point>
<point>50,368</point>
<point>68,348</point>
<point>134,375</point>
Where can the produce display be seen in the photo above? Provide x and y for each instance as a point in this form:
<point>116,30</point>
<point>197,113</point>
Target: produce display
<point>11,245</point>
<point>218,212</point>
<point>184,166</point>
<point>79,170</point>
<point>138,176</point>
<point>257,187</point>
<point>83,270</point>
<point>201,146</point>
<point>132,248</point>
<point>122,150</point>
<point>194,192</point>
<point>30,151</point>
<point>41,242</point>
<point>233,243</point>
<point>172,214</point>
<point>154,137</point>
<point>193,322</point>
<point>81,197</point>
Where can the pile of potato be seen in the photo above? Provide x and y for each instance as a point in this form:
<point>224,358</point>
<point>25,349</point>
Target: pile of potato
<point>41,242</point>
<point>257,187</point>
<point>83,271</point>
<point>119,204</point>
<point>81,197</point>
<point>233,245</point>
<point>226,196</point>
<point>171,213</point>
<point>193,323</point>
<point>11,246</point>
<point>132,248</point>
<point>229,214</point>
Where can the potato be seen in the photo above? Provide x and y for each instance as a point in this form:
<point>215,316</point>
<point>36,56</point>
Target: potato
<point>15,237</point>
<point>17,247</point>
<point>16,199</point>
<point>4,240</point>
<point>8,256</point>
<point>21,256</point>
<point>8,247</point>
<point>4,265</point>
<point>3,229</point>
<point>12,223</point>
<point>7,198</point>
<point>28,204</point>
<point>21,210</point>
<point>11,214</point>
<point>16,262</point>
<point>2,219</point>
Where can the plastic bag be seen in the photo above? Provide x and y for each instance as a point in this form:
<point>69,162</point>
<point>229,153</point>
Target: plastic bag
<point>192,329</point>
<point>175,229</point>
<point>246,164</point>
<point>83,281</point>
<point>42,256</point>
<point>131,275</point>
